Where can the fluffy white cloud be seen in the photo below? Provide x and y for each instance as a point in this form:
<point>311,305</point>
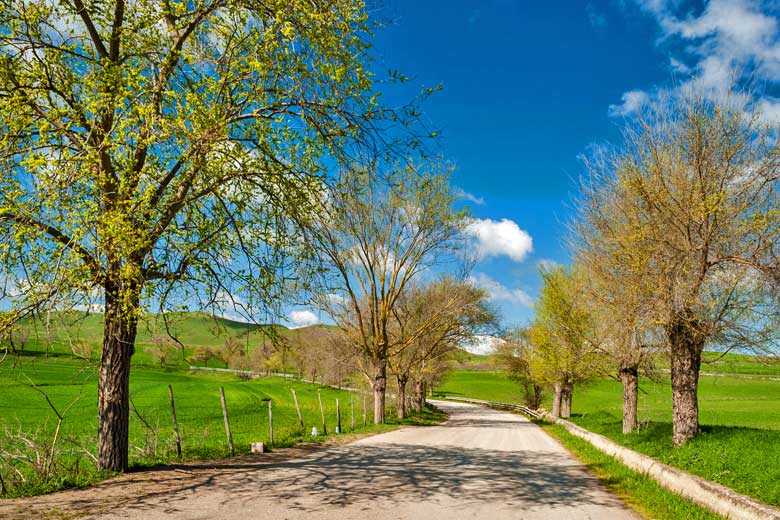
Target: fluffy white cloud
<point>303,318</point>
<point>727,41</point>
<point>482,344</point>
<point>632,102</point>
<point>498,291</point>
<point>496,238</point>
<point>460,193</point>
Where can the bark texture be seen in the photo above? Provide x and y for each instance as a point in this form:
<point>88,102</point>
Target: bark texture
<point>401,401</point>
<point>685,364</point>
<point>567,392</point>
<point>419,396</point>
<point>380,390</point>
<point>119,331</point>
<point>556,405</point>
<point>629,376</point>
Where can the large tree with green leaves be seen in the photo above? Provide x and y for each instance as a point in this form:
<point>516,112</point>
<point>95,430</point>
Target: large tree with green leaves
<point>158,151</point>
<point>683,216</point>
<point>562,337</point>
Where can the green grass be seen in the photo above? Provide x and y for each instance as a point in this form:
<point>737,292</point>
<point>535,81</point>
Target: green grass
<point>740,364</point>
<point>193,330</point>
<point>740,420</point>
<point>198,409</point>
<point>641,492</point>
<point>487,385</point>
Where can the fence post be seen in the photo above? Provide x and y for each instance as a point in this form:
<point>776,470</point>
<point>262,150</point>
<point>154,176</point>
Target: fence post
<point>175,423</point>
<point>338,417</point>
<point>270,424</point>
<point>352,412</point>
<point>364,411</point>
<point>298,408</point>
<point>227,422</point>
<point>322,413</point>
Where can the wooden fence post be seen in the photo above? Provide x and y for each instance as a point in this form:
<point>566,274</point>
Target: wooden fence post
<point>352,412</point>
<point>338,417</point>
<point>270,424</point>
<point>364,411</point>
<point>227,422</point>
<point>175,423</point>
<point>298,408</point>
<point>322,413</point>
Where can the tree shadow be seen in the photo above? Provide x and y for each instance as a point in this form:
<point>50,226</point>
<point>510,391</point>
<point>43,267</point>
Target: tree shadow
<point>367,475</point>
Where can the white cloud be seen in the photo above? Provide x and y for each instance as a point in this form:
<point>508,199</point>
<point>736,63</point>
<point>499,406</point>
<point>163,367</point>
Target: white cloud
<point>498,291</point>
<point>596,19</point>
<point>727,42</point>
<point>546,264</point>
<point>303,318</point>
<point>632,102</point>
<point>678,66</point>
<point>496,238</point>
<point>460,193</point>
<point>482,344</point>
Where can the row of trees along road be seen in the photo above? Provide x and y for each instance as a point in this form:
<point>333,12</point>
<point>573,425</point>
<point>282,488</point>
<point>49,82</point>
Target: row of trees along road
<point>677,242</point>
<point>382,232</point>
<point>161,153</point>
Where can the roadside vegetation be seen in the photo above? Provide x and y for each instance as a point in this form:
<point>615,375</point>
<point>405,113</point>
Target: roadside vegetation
<point>740,419</point>
<point>641,492</point>
<point>32,462</point>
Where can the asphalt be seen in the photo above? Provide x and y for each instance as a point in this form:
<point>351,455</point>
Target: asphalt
<point>480,463</point>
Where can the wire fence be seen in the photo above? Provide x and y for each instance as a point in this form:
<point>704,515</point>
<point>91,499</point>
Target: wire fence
<point>50,431</point>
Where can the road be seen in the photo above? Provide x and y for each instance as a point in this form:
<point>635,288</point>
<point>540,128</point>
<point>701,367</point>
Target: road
<point>481,463</point>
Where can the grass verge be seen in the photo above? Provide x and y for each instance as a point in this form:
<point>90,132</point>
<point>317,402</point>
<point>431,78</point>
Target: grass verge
<point>32,464</point>
<point>639,491</point>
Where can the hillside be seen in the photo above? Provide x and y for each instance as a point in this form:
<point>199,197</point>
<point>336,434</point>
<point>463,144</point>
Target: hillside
<point>63,333</point>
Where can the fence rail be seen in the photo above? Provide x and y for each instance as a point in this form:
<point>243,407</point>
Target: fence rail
<point>500,406</point>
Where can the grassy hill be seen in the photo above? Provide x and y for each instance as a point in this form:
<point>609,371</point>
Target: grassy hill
<point>62,333</point>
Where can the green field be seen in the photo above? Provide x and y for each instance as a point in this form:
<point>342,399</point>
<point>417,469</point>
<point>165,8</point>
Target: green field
<point>26,417</point>
<point>60,333</point>
<point>740,419</point>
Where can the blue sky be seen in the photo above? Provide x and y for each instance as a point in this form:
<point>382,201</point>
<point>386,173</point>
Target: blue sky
<point>528,87</point>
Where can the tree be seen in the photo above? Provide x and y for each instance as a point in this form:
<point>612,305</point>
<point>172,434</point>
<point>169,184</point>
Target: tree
<point>380,232</point>
<point>562,336</point>
<point>624,329</point>
<point>161,349</point>
<point>515,354</point>
<point>682,212</point>
<point>160,152</point>
<point>440,317</point>
<point>325,352</point>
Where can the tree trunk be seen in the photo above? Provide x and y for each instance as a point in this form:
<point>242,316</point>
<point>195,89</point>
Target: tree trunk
<point>119,331</point>
<point>556,407</point>
<point>566,395</point>
<point>686,362</point>
<point>629,375</point>
<point>380,388</point>
<point>400,402</point>
<point>419,396</point>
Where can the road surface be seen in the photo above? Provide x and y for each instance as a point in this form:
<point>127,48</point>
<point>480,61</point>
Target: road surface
<point>481,463</point>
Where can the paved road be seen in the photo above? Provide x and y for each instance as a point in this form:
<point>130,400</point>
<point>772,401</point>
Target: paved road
<point>481,463</point>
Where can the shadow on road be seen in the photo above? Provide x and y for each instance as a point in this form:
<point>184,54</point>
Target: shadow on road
<point>358,474</point>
